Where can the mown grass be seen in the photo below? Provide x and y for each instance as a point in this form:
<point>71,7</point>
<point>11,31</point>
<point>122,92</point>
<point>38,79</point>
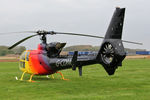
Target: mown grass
<point>130,82</point>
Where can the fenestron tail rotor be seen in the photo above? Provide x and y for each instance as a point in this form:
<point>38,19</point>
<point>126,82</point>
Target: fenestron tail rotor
<point>108,53</point>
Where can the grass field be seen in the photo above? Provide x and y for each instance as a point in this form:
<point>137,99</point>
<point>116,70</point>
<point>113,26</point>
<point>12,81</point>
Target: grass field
<point>130,82</point>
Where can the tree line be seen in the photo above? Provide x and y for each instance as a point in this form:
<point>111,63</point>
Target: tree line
<point>5,51</point>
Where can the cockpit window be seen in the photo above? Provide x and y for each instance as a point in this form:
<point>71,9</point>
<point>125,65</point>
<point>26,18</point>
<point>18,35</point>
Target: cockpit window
<point>22,64</point>
<point>27,57</point>
<point>23,56</point>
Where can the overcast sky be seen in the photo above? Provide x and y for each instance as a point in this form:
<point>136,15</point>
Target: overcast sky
<point>80,16</point>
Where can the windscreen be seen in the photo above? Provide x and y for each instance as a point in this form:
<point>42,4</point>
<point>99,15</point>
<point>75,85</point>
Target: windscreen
<point>23,58</point>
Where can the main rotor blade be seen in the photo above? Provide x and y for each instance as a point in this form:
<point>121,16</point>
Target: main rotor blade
<point>9,33</point>
<point>21,41</point>
<point>52,33</point>
<point>79,34</point>
<point>26,32</point>
<point>95,37</point>
<point>132,42</point>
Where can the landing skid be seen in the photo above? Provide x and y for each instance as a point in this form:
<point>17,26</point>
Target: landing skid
<point>62,76</point>
<point>31,76</point>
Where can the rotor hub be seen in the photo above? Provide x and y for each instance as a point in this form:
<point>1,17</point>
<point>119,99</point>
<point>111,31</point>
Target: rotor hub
<point>43,32</point>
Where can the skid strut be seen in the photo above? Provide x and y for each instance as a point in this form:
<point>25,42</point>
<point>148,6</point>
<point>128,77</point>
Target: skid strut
<point>62,76</point>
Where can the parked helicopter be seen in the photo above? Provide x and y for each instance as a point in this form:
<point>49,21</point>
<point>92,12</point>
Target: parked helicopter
<point>46,60</point>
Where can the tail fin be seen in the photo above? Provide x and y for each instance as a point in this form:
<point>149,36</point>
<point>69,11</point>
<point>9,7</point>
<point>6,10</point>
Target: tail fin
<point>115,28</point>
<point>111,53</point>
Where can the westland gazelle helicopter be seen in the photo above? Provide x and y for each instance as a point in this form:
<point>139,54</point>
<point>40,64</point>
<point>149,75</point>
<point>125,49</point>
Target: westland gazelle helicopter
<point>46,60</point>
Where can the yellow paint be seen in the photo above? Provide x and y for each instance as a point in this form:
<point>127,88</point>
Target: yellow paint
<point>52,76</point>
<point>27,68</point>
<point>30,80</point>
<point>22,75</point>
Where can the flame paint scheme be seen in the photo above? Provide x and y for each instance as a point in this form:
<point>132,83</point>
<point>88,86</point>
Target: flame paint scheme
<point>38,63</point>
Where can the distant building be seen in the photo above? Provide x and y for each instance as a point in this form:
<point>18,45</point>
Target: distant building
<point>133,51</point>
<point>143,52</point>
<point>83,53</point>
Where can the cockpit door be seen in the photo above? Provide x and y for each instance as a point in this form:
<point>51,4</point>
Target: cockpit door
<point>24,61</point>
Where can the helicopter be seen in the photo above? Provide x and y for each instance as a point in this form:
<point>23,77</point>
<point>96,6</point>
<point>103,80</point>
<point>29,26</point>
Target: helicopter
<point>46,60</point>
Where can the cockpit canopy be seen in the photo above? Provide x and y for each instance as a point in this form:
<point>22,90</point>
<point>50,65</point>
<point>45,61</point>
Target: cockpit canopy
<point>54,48</point>
<point>23,58</point>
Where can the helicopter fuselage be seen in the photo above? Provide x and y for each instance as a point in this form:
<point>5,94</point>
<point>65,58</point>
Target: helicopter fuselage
<point>38,63</point>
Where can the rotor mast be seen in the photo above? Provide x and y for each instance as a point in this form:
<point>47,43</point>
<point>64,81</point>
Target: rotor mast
<point>43,34</point>
<point>43,39</point>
